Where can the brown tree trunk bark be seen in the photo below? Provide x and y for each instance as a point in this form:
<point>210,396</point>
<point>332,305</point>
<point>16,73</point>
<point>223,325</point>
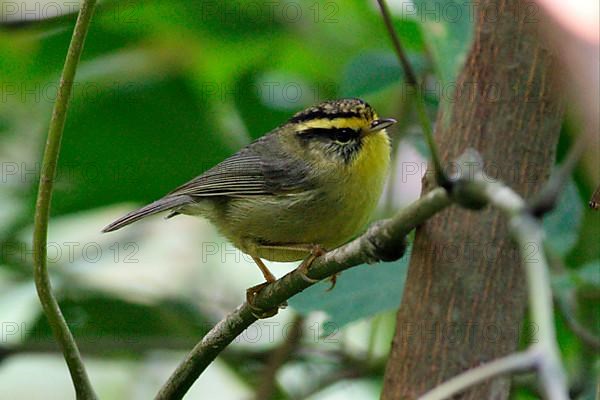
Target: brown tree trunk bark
<point>464,298</point>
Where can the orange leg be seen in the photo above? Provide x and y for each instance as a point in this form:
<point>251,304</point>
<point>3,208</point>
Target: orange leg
<point>314,251</point>
<point>251,293</point>
<point>269,277</point>
<point>254,290</point>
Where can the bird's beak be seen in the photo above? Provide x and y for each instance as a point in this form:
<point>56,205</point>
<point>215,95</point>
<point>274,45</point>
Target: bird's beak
<point>380,124</point>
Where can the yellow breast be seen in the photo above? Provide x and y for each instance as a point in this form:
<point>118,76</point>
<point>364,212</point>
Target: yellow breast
<point>329,216</point>
<point>372,162</point>
<point>352,194</point>
<point>366,176</point>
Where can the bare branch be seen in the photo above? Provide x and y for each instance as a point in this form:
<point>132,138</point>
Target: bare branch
<point>546,199</point>
<point>60,329</point>
<point>511,363</point>
<point>527,231</point>
<point>411,79</point>
<point>567,304</point>
<point>566,307</point>
<point>279,357</point>
<point>544,355</point>
<point>384,241</point>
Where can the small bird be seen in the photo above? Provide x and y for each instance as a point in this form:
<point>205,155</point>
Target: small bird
<point>310,184</point>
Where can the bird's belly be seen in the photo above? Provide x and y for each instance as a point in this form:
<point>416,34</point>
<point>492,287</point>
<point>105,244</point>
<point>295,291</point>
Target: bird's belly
<point>258,225</point>
<point>328,217</point>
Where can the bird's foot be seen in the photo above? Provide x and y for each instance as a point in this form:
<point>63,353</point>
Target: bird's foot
<point>333,281</point>
<point>315,251</point>
<point>258,312</point>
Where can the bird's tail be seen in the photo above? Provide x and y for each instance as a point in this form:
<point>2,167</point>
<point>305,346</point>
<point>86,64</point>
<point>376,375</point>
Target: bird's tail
<point>166,203</point>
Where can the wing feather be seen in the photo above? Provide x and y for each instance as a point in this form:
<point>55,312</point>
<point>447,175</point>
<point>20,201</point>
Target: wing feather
<point>261,168</point>
<point>258,169</point>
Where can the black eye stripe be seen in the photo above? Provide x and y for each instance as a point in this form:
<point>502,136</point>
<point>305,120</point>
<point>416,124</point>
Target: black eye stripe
<point>342,135</point>
<point>321,114</point>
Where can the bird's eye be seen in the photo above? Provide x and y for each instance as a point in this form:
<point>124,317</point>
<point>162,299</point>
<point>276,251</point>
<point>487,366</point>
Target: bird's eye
<point>337,135</point>
<point>343,135</point>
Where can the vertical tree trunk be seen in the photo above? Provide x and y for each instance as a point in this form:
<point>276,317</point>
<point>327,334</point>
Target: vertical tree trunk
<point>464,298</point>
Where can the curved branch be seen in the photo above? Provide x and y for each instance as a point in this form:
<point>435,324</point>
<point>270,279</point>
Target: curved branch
<point>511,363</point>
<point>60,329</point>
<point>565,305</point>
<point>411,77</point>
<point>384,241</point>
<point>545,200</point>
<point>411,80</point>
<point>267,388</point>
<point>527,233</point>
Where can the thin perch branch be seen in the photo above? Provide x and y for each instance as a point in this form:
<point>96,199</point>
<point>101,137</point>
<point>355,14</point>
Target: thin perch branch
<point>411,80</point>
<point>567,304</point>
<point>60,329</point>
<point>268,383</point>
<point>379,243</point>
<point>411,77</point>
<point>528,234</point>
<point>587,337</point>
<point>384,241</point>
<point>545,201</point>
<point>511,363</point>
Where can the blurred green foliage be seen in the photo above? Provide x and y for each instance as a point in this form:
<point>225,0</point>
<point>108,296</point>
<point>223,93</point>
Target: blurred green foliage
<point>358,293</point>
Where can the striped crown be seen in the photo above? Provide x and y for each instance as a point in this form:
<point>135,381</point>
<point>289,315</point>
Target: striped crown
<point>342,108</point>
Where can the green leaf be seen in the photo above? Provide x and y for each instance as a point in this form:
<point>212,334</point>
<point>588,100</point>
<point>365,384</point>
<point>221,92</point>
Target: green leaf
<point>588,275</point>
<point>370,72</point>
<point>360,292</point>
<point>267,99</point>
<point>257,116</point>
<point>135,141</point>
<point>96,319</point>
<point>447,26</point>
<point>373,71</point>
<point>584,277</point>
<point>562,224</point>
<point>19,307</point>
<point>410,33</point>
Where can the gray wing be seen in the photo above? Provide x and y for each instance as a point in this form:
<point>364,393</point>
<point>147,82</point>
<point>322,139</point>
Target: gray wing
<point>261,168</point>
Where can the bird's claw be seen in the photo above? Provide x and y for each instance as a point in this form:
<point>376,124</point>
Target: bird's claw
<point>316,251</point>
<point>258,312</point>
<point>333,280</point>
